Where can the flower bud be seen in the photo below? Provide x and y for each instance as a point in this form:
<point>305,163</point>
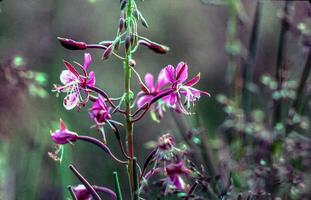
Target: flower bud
<point>107,52</point>
<point>63,135</point>
<point>132,63</point>
<point>123,4</point>
<point>121,24</point>
<point>158,48</point>
<point>128,41</point>
<point>72,44</point>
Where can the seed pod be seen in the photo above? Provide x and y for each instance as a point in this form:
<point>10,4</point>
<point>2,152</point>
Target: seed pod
<point>158,48</point>
<point>72,44</point>
<point>107,52</point>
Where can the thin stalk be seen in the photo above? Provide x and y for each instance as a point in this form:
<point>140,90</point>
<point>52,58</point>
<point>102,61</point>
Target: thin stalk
<point>100,145</point>
<point>87,185</point>
<point>127,88</point>
<point>248,66</point>
<point>136,186</point>
<point>117,185</point>
<point>279,70</point>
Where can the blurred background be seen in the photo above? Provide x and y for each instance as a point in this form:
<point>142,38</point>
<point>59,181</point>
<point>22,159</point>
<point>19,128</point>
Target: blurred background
<point>195,32</point>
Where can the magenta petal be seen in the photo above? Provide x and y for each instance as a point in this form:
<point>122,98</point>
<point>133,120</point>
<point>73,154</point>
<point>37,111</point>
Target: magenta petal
<point>181,72</point>
<point>71,100</point>
<point>161,79</point>
<point>194,80</point>
<point>170,73</point>
<point>149,81</point>
<point>143,100</point>
<point>173,99</point>
<point>91,81</point>
<point>71,68</point>
<point>87,61</point>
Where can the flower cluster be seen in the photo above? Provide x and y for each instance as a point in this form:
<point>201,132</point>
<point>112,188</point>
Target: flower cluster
<point>172,82</point>
<point>172,89</point>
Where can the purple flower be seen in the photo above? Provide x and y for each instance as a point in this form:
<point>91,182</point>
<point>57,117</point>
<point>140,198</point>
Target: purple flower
<point>73,83</point>
<point>175,173</point>
<point>149,91</point>
<point>83,194</point>
<point>99,111</point>
<point>166,148</point>
<point>63,135</point>
<point>177,77</point>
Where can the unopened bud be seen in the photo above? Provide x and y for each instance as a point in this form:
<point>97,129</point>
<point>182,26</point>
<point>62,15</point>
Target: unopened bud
<point>72,44</point>
<point>132,63</point>
<point>121,24</point>
<point>128,41</point>
<point>158,48</point>
<point>107,52</point>
<point>122,4</point>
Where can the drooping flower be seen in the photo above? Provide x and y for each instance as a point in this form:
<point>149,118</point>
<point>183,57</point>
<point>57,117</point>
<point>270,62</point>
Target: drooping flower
<point>181,87</point>
<point>175,173</point>
<point>151,89</point>
<point>73,83</point>
<point>63,135</point>
<point>99,111</point>
<point>166,148</point>
<point>83,194</point>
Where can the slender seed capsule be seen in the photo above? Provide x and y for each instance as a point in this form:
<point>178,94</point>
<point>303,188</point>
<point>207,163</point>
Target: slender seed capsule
<point>72,44</point>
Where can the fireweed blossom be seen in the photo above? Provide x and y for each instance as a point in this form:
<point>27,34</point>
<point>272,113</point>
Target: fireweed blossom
<point>83,194</point>
<point>100,112</point>
<point>73,83</point>
<point>151,90</point>
<point>175,173</point>
<point>177,77</point>
<point>63,135</point>
<point>166,148</point>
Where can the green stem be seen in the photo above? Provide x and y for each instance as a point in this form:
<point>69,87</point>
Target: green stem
<point>127,87</point>
<point>117,185</point>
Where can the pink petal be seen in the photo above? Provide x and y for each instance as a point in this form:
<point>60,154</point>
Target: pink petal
<point>194,80</point>
<point>67,77</point>
<point>170,73</point>
<point>161,79</point>
<point>71,68</point>
<point>173,99</point>
<point>181,72</point>
<point>149,80</point>
<point>91,81</point>
<point>143,100</point>
<point>71,100</point>
<point>87,60</point>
